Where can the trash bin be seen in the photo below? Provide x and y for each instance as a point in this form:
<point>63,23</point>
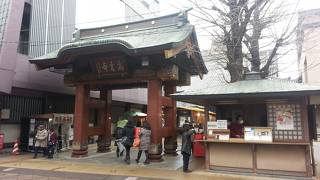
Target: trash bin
<point>198,147</point>
<point>1,141</point>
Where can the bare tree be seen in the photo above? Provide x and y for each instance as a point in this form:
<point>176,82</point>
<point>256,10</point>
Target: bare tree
<point>237,30</point>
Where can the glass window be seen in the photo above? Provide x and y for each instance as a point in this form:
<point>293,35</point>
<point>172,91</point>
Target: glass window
<point>23,47</point>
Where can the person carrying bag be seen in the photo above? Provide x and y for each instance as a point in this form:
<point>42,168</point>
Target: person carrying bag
<point>52,141</point>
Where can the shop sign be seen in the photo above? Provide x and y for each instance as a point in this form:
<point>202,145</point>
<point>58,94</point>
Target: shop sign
<point>223,137</point>
<point>222,124</point>
<point>211,124</point>
<point>284,119</point>
<point>218,130</point>
<point>111,66</point>
<point>258,134</point>
<point>63,120</point>
<point>219,124</point>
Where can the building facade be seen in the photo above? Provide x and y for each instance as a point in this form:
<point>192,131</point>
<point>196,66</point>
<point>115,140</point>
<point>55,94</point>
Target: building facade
<point>141,9</point>
<point>31,28</point>
<point>308,45</point>
<point>308,49</point>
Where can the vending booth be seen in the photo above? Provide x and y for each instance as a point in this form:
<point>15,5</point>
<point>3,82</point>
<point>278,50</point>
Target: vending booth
<point>62,124</point>
<point>262,126</point>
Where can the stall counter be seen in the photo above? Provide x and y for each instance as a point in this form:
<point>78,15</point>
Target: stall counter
<point>283,158</point>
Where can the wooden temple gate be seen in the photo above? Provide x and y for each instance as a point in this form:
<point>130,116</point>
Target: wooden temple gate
<point>158,54</point>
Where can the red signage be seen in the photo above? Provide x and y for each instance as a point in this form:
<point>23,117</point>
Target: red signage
<point>1,141</point>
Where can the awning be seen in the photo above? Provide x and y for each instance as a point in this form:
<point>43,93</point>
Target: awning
<point>196,109</point>
<point>249,88</point>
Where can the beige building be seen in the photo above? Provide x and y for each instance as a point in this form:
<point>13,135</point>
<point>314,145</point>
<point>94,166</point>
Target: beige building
<point>308,43</point>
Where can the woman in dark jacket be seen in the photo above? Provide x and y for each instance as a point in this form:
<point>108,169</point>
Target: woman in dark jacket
<point>129,138</point>
<point>186,145</point>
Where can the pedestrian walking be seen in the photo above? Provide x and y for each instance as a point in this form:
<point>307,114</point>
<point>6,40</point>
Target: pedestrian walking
<point>41,141</point>
<point>52,142</point>
<point>119,136</point>
<point>70,134</point>
<point>128,139</point>
<point>145,138</point>
<point>186,145</point>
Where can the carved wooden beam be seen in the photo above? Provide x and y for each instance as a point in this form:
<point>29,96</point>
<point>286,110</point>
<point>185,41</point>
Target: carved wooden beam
<point>168,73</point>
<point>96,103</point>
<point>72,80</point>
<point>174,51</point>
<point>166,101</point>
<point>96,131</point>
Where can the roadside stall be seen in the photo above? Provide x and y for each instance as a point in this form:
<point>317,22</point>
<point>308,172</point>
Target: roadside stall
<point>62,123</point>
<point>195,115</point>
<point>192,114</point>
<point>261,128</point>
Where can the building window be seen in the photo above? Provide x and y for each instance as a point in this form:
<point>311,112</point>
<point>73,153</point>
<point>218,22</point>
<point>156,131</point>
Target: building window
<point>4,11</point>
<point>23,47</point>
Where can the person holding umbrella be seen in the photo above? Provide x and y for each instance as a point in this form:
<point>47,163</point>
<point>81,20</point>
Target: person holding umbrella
<point>128,139</point>
<point>119,136</point>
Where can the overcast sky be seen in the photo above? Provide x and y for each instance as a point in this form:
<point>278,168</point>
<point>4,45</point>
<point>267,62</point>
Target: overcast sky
<point>95,13</point>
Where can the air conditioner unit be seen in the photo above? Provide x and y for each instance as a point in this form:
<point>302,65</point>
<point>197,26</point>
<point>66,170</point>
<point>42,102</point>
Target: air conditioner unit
<point>5,114</point>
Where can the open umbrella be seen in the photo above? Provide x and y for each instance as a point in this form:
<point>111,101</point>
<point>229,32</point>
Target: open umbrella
<point>128,114</point>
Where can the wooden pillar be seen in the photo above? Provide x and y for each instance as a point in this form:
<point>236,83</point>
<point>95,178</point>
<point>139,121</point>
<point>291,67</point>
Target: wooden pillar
<point>170,143</point>
<point>154,119</point>
<point>206,118</point>
<point>104,141</point>
<point>305,126</point>
<point>81,115</point>
<point>205,128</point>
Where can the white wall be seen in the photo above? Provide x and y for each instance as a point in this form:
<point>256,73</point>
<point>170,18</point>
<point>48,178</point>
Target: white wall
<point>11,132</point>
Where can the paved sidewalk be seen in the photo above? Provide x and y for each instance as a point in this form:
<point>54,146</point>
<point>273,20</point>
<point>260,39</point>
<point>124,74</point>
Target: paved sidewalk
<point>88,166</point>
<point>107,164</point>
<point>35,174</point>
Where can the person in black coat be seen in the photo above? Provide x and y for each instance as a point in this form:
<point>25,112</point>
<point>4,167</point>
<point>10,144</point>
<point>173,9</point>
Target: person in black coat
<point>186,145</point>
<point>128,139</point>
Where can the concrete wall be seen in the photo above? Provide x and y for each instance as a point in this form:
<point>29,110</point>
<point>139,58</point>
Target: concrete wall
<point>11,132</point>
<point>8,53</point>
<point>309,62</point>
<point>26,76</point>
<point>138,96</point>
